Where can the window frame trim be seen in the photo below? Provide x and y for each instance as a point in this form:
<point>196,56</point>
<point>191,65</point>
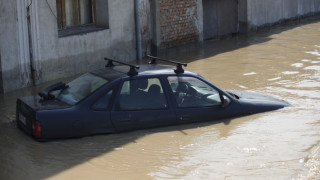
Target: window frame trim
<point>176,105</point>
<point>61,15</point>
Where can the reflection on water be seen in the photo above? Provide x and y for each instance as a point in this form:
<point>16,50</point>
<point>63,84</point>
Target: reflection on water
<point>284,144</point>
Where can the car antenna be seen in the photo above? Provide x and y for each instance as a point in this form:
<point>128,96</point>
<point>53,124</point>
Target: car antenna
<point>133,69</point>
<point>179,64</point>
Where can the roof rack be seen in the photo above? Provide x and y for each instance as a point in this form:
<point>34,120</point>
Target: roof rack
<point>133,69</point>
<point>179,64</point>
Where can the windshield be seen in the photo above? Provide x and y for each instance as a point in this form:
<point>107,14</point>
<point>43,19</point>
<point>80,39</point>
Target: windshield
<point>79,88</point>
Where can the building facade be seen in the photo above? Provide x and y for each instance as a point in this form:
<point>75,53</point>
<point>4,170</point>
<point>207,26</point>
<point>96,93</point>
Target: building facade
<point>43,40</point>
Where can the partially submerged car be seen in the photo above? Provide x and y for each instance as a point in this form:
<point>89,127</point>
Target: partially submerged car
<point>128,97</point>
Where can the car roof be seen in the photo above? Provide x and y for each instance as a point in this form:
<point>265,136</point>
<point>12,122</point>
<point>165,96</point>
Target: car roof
<point>115,72</point>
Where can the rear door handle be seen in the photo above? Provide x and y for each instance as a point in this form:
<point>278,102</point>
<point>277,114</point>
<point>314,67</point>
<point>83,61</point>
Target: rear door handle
<point>126,119</point>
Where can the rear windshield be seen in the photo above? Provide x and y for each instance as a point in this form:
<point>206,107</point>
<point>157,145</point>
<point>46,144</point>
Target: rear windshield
<point>79,88</point>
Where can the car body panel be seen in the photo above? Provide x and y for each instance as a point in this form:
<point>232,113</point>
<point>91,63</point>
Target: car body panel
<point>36,103</point>
<point>198,114</point>
<point>60,120</point>
<point>252,103</point>
<point>130,120</point>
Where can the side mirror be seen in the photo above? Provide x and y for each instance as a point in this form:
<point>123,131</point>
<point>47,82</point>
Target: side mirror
<point>225,101</point>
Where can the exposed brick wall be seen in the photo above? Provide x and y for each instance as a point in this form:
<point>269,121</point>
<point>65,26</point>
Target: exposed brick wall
<point>177,22</point>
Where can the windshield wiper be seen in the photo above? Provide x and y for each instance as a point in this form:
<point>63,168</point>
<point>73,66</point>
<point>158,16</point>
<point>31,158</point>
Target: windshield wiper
<point>45,94</point>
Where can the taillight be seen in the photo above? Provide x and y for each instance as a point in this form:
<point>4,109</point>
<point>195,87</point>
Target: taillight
<point>36,129</point>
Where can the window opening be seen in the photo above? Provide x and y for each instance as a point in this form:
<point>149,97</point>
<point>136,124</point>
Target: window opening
<point>72,13</point>
<point>192,92</point>
<point>142,94</point>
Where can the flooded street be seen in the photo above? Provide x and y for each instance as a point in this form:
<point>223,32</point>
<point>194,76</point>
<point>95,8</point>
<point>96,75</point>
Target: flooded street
<point>283,62</point>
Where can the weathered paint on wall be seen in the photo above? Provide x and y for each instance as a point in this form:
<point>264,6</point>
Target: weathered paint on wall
<point>10,66</point>
<point>146,26</point>
<point>265,12</point>
<point>219,18</point>
<point>243,16</point>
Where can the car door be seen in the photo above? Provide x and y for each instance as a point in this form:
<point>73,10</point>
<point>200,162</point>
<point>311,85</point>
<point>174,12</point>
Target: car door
<point>196,100</point>
<point>141,103</point>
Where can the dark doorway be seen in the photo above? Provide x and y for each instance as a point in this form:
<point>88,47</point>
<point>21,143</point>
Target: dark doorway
<point>220,17</point>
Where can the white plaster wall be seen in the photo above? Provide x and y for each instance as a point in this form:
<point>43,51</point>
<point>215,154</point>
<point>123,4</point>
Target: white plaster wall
<point>65,56</point>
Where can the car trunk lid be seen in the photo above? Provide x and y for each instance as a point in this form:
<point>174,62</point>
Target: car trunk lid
<point>26,113</point>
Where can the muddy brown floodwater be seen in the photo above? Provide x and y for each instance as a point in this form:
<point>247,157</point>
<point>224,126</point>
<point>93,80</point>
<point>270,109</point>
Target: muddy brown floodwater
<point>282,61</point>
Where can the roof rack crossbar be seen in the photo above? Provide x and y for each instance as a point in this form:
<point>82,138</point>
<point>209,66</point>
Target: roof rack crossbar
<point>133,69</point>
<point>179,64</point>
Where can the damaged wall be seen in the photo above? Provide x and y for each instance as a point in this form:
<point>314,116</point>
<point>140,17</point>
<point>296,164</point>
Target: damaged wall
<point>178,22</point>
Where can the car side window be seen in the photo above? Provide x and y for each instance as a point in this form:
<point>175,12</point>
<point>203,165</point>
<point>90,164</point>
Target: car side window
<point>142,94</point>
<point>103,102</point>
<point>192,92</point>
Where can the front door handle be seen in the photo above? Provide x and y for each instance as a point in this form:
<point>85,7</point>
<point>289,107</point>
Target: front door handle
<point>184,117</point>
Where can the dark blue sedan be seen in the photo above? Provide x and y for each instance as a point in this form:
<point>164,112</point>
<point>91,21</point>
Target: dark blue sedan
<point>127,97</point>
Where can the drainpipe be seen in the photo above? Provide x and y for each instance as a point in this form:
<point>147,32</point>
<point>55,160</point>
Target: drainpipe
<point>30,46</point>
<point>1,81</point>
<point>138,31</point>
